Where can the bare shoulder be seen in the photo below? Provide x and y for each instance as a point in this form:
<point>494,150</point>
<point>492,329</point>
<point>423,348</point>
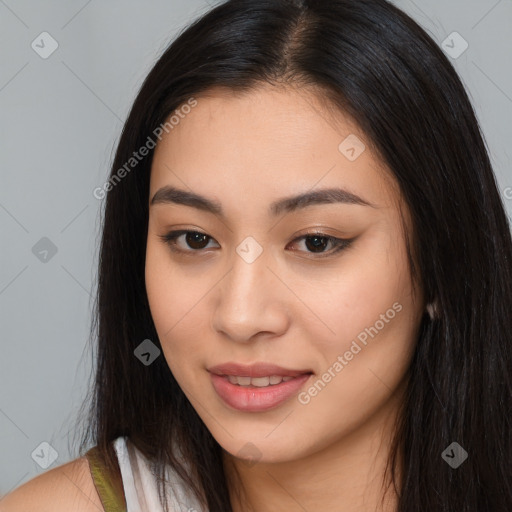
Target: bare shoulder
<point>68,487</point>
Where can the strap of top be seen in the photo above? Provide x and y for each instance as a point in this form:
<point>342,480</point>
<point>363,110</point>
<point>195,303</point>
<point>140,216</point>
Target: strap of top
<point>110,492</point>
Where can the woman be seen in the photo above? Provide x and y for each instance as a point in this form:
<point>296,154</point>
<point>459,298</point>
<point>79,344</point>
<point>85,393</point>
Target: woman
<point>305,277</point>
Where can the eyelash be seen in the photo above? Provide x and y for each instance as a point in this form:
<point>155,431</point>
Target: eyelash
<point>339,243</point>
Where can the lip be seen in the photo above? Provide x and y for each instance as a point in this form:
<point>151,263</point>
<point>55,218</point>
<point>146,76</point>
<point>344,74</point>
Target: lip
<point>255,399</point>
<point>255,370</point>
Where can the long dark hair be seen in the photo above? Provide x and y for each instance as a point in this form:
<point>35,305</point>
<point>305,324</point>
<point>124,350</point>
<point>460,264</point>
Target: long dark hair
<point>371,61</point>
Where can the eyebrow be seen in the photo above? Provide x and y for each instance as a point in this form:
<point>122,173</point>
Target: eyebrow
<point>172,195</point>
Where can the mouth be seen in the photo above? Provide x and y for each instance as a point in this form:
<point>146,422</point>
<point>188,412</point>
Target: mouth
<point>257,387</point>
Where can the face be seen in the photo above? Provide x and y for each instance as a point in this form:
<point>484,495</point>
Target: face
<point>318,286</point>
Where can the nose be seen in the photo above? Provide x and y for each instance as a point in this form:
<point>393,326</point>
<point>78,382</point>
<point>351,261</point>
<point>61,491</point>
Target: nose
<point>250,302</point>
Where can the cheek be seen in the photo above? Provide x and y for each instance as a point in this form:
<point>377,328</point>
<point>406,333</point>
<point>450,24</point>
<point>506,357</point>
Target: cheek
<point>177,296</point>
<point>161,296</point>
<point>171,293</point>
<point>167,295</point>
<point>367,284</point>
<point>374,320</point>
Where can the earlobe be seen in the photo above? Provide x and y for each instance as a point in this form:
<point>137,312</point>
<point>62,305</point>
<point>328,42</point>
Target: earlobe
<point>432,310</point>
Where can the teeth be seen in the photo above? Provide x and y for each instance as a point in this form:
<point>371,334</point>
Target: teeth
<point>259,382</point>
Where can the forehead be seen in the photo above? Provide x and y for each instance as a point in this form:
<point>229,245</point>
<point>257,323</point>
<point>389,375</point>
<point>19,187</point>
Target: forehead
<point>267,143</point>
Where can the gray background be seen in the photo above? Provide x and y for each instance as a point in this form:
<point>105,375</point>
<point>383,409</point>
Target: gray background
<point>60,120</point>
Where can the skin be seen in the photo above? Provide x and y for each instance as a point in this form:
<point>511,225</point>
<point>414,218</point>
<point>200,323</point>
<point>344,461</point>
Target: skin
<point>61,489</point>
<point>291,306</point>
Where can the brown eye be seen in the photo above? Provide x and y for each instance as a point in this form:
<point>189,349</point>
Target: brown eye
<point>194,240</point>
<point>315,243</point>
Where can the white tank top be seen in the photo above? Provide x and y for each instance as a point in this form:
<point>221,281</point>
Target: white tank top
<point>140,486</point>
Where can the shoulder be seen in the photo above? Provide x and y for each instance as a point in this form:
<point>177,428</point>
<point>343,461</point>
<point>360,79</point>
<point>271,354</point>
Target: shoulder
<point>67,487</point>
